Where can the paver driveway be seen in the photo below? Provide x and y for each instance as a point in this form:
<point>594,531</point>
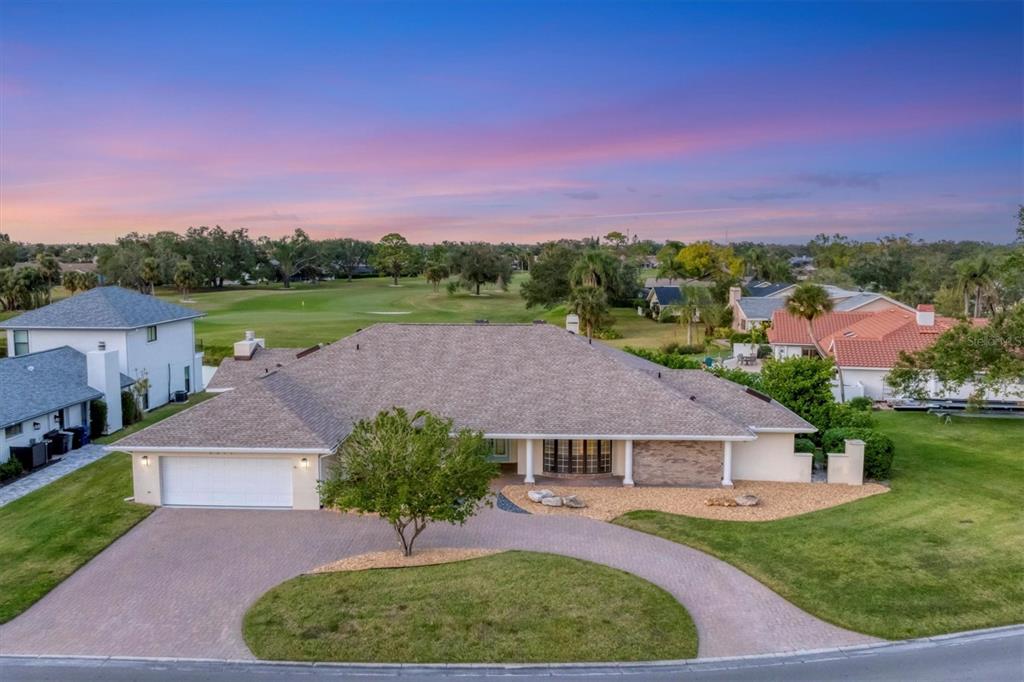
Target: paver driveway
<point>179,583</point>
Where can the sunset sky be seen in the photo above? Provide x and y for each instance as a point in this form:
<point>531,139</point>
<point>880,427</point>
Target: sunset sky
<point>512,121</point>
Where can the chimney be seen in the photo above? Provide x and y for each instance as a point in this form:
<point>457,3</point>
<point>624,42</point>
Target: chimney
<point>734,295</point>
<point>572,323</point>
<point>103,372</point>
<point>245,348</point>
<point>925,315</point>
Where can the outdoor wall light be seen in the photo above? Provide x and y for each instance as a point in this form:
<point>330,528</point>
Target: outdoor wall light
<point>305,463</point>
<point>145,460</point>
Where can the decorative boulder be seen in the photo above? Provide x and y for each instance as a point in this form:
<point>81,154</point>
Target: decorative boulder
<point>573,502</point>
<point>552,501</point>
<point>748,500</point>
<point>538,495</point>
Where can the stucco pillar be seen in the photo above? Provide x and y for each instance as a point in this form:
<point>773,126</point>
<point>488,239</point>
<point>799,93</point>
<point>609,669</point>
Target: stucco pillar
<point>529,462</point>
<point>627,478</point>
<point>727,464</point>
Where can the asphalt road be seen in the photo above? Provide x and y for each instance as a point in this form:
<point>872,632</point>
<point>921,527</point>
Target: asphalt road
<point>992,656</point>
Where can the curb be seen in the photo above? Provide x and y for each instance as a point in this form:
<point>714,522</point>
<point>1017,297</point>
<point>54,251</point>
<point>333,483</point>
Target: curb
<point>693,664</point>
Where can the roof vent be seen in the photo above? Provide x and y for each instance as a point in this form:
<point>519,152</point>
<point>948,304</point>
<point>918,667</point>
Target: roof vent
<point>308,351</point>
<point>250,335</point>
<point>758,395</point>
<point>102,345</point>
<point>693,398</point>
<point>31,368</point>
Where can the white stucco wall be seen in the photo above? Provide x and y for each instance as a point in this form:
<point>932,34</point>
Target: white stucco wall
<point>783,352</point>
<point>876,388</point>
<point>146,477</point>
<point>47,422</point>
<point>164,360</point>
<point>82,340</point>
<point>770,458</point>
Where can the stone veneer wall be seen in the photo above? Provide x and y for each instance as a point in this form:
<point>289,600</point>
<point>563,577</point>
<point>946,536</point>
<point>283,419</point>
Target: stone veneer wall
<point>677,462</point>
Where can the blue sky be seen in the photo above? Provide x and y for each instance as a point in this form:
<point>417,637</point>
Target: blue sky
<point>512,121</point>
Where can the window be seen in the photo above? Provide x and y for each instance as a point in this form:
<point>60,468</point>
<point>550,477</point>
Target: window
<point>578,456</point>
<point>151,334</point>
<point>12,431</point>
<point>188,379</point>
<point>500,450</point>
<point>20,341</point>
<point>145,400</point>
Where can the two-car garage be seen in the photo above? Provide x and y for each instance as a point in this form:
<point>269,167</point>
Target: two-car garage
<point>225,482</point>
<point>227,479</point>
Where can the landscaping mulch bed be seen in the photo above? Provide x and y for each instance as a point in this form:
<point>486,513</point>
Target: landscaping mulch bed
<point>778,500</point>
<point>395,559</point>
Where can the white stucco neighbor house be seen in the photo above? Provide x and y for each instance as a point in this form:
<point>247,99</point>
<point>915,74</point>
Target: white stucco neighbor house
<point>152,338</point>
<point>45,396</point>
<point>551,404</point>
<point>867,345</point>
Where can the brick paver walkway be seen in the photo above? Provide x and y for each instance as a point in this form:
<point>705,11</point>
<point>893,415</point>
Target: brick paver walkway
<point>76,459</point>
<point>179,583</point>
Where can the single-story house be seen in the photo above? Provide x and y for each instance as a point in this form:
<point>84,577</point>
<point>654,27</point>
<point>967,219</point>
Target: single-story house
<point>51,390</point>
<point>751,311</point>
<point>153,339</point>
<point>866,345</point>
<point>759,287</point>
<point>659,298</point>
<point>551,404</point>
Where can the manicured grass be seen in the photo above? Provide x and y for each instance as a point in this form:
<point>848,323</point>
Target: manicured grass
<point>942,552</point>
<point>46,535</point>
<point>152,417</point>
<point>312,313</point>
<point>509,607</point>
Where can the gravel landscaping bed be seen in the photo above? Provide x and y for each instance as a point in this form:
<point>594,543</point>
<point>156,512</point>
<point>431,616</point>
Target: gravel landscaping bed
<point>778,500</point>
<point>395,559</point>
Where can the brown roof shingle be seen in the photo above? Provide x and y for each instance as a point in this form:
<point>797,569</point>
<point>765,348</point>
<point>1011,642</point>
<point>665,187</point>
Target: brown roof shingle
<point>505,380</point>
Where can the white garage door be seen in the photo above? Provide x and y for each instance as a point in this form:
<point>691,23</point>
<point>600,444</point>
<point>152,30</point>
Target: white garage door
<point>226,482</point>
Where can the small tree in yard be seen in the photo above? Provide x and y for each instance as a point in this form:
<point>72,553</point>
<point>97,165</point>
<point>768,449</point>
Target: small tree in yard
<point>410,471</point>
<point>804,386</point>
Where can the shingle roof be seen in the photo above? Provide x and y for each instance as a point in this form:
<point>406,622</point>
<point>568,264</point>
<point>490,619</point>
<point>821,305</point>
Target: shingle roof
<point>756,308</point>
<point>102,308</point>
<point>232,373</point>
<point>758,287</point>
<point>505,380</point>
<point>43,382</point>
<point>667,295</point>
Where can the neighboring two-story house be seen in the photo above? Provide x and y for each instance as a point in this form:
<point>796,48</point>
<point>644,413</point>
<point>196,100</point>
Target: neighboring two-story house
<point>153,339</point>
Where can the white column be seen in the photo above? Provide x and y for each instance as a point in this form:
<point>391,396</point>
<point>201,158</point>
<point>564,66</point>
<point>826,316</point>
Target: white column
<point>627,478</point>
<point>529,461</point>
<point>727,465</point>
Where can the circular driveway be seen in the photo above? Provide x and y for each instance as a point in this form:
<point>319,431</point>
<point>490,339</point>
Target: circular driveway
<point>178,584</point>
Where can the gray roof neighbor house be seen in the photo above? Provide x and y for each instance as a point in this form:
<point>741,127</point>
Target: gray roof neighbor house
<point>102,308</point>
<point>39,383</point>
<point>509,381</point>
<point>755,308</point>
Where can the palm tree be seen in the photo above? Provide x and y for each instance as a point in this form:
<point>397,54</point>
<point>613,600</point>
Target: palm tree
<point>591,305</point>
<point>49,268</point>
<point>184,277</point>
<point>150,272</point>
<point>695,299</point>
<point>811,301</point>
<point>594,268</point>
<point>975,277</point>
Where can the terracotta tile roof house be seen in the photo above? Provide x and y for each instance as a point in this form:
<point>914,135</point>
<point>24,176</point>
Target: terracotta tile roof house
<point>866,345</point>
<point>756,309</point>
<point>551,404</point>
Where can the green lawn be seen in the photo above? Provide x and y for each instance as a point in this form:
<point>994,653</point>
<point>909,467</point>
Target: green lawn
<point>942,552</point>
<point>509,607</point>
<point>46,535</point>
<point>311,313</point>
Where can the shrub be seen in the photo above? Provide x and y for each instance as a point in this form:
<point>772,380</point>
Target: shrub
<point>670,360</point>
<point>764,351</point>
<point>804,445</point>
<point>739,337</point>
<point>736,375</point>
<point>10,469</point>
<point>861,403</point>
<point>97,418</point>
<point>607,334</point>
<point>804,385</point>
<point>879,449</point>
<point>130,412</point>
<point>846,416</point>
